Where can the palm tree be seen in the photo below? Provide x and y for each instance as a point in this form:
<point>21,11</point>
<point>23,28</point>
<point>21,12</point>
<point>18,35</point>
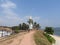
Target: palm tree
<point>30,21</point>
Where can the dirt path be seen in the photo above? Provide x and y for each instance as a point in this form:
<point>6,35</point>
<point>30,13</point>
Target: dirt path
<point>24,39</point>
<point>13,41</point>
<point>28,39</point>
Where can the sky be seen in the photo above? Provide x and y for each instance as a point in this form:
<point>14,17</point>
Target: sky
<point>44,12</point>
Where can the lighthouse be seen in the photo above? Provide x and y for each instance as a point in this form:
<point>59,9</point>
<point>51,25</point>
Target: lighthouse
<point>30,23</point>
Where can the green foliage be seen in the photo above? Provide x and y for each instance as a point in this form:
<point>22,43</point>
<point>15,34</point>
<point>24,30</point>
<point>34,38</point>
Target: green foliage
<point>20,26</point>
<point>40,39</point>
<point>15,28</point>
<point>50,39</point>
<point>36,26</point>
<point>30,21</point>
<point>24,26</point>
<point>49,30</point>
<point>16,31</point>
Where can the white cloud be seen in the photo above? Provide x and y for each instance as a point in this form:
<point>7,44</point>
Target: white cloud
<point>8,4</point>
<point>9,17</point>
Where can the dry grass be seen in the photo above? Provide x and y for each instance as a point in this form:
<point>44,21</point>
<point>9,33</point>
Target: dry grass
<point>40,39</point>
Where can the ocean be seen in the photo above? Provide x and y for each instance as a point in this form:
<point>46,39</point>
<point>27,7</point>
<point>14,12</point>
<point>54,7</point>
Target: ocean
<point>57,31</point>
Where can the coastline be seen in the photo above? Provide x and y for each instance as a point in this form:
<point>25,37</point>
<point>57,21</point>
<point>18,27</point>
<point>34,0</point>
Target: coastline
<point>57,38</point>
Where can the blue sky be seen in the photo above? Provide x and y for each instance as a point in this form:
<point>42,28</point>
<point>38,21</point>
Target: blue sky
<point>45,12</point>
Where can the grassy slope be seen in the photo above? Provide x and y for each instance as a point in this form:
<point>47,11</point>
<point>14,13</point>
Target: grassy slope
<point>40,39</point>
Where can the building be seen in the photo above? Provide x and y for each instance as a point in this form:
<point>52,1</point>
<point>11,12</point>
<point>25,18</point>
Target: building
<point>5,31</point>
<point>30,26</point>
<point>30,23</point>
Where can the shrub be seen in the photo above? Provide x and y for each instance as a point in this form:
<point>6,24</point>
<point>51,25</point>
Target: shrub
<point>50,39</point>
<point>16,31</point>
<point>49,30</point>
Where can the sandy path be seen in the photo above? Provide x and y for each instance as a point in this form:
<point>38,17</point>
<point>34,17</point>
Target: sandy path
<point>24,39</point>
<point>28,39</point>
<point>57,38</point>
<point>13,41</point>
<point>16,41</point>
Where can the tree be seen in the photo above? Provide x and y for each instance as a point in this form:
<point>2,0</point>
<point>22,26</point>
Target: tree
<point>30,21</point>
<point>20,27</point>
<point>24,26</point>
<point>27,26</point>
<point>15,28</point>
<point>36,26</point>
<point>49,30</point>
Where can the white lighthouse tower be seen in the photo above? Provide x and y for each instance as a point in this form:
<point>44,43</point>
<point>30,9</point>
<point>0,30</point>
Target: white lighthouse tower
<point>30,23</point>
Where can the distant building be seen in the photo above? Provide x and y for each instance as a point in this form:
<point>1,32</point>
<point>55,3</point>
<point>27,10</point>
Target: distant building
<point>5,31</point>
<point>30,26</point>
<point>31,23</point>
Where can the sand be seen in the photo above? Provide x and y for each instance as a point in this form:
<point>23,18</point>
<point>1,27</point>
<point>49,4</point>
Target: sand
<point>24,39</point>
<point>28,39</point>
<point>57,38</point>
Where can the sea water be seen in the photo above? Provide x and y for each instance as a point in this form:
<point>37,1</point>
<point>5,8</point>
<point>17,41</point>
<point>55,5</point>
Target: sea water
<point>57,32</point>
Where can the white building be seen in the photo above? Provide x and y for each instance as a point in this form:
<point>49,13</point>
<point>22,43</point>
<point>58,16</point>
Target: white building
<point>31,25</point>
<point>5,32</point>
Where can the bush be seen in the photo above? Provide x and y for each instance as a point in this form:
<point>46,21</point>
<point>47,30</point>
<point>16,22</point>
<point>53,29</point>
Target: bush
<point>49,30</point>
<point>16,31</point>
<point>50,39</point>
<point>15,28</point>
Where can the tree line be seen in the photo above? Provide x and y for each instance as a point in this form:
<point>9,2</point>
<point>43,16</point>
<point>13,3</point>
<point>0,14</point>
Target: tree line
<point>25,26</point>
<point>22,26</point>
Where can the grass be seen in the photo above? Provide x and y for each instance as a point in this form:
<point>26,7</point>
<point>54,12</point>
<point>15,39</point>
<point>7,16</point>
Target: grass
<point>50,39</point>
<point>40,39</point>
